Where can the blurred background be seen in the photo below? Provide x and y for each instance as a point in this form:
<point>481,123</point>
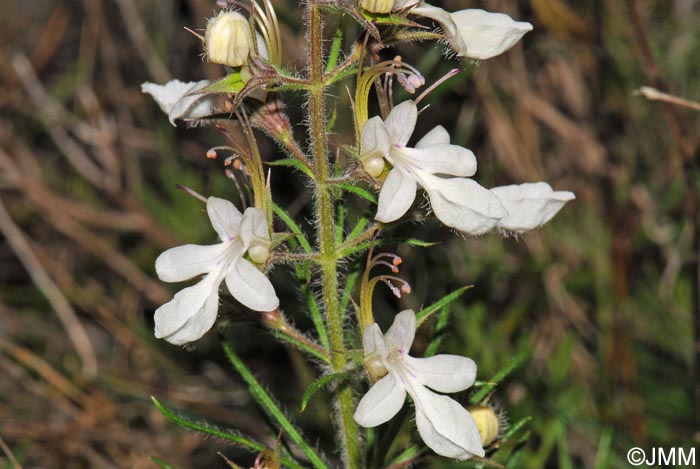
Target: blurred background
<point>602,300</point>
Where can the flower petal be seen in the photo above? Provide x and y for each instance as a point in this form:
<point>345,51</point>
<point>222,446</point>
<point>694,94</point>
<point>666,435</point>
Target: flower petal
<point>445,426</point>
<point>251,287</point>
<point>254,227</point>
<point>172,99</point>
<point>463,204</point>
<point>440,159</point>
<point>443,373</point>
<point>373,341</point>
<point>225,218</point>
<point>436,136</point>
<point>381,403</point>
<point>374,137</point>
<point>401,121</point>
<point>529,205</point>
<point>191,313</point>
<point>487,34</point>
<point>397,194</point>
<point>401,333</point>
<point>184,262</point>
<point>446,22</point>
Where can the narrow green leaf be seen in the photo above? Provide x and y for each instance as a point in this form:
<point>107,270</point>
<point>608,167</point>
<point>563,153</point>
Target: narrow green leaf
<point>419,243</point>
<point>293,163</point>
<point>357,229</point>
<point>209,430</point>
<point>316,317</point>
<point>162,464</point>
<point>438,336</point>
<point>498,377</point>
<point>406,457</point>
<point>602,457</point>
<point>357,248</point>
<point>434,345</point>
<point>347,292</point>
<point>331,120</point>
<point>265,401</point>
<point>425,313</point>
<point>317,385</point>
<point>291,224</point>
<point>335,49</point>
<point>513,429</point>
<point>340,224</point>
<point>232,83</point>
<point>359,191</point>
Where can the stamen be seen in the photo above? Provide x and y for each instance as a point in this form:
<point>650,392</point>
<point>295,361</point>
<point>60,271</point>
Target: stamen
<point>392,287</point>
<point>192,192</point>
<point>447,76</point>
<point>391,266</point>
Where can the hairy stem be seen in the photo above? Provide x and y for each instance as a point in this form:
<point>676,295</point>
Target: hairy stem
<point>325,218</point>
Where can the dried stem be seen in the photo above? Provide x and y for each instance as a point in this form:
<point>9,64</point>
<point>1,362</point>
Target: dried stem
<point>42,280</point>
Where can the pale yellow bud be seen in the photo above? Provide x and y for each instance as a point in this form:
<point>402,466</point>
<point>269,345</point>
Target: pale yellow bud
<point>374,165</point>
<point>377,6</point>
<point>228,39</point>
<point>375,366</point>
<point>258,253</point>
<point>487,421</point>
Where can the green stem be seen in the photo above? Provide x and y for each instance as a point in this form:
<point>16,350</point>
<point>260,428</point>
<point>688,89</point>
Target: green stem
<point>326,237</point>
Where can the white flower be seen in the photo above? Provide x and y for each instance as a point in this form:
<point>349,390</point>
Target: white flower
<point>458,202</point>
<point>529,205</point>
<point>473,33</point>
<point>443,424</point>
<point>192,312</point>
<point>476,34</point>
<point>174,100</point>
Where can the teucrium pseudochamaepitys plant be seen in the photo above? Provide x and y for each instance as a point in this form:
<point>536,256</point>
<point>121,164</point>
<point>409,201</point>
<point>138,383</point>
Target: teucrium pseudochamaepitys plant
<point>245,38</point>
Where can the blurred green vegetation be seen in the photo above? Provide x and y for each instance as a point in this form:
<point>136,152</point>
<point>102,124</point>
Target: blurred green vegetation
<point>599,300</point>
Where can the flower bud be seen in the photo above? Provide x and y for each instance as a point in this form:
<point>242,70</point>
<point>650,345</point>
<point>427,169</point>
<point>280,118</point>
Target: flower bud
<point>374,165</point>
<point>487,421</point>
<point>377,6</point>
<point>258,253</point>
<point>227,39</point>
